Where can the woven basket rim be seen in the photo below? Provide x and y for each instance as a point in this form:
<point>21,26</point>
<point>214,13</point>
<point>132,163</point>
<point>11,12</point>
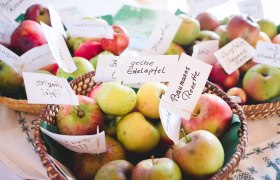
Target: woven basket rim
<point>226,171</point>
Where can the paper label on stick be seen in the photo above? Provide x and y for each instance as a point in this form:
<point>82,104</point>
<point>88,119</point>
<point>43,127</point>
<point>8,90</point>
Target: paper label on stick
<point>234,54</point>
<point>163,33</point>
<point>205,50</point>
<point>89,28</point>
<point>253,8</point>
<point>185,89</point>
<point>59,48</point>
<point>48,89</point>
<point>92,144</point>
<point>141,69</point>
<point>267,53</point>
<point>6,30</point>
<point>11,9</point>
<point>56,22</point>
<point>198,6</point>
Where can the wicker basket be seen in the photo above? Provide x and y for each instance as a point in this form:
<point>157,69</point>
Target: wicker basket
<point>82,85</point>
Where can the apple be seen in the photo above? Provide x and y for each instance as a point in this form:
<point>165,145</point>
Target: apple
<point>119,42</point>
<point>239,92</point>
<point>116,99</point>
<point>80,120</point>
<point>83,67</point>
<point>219,86</point>
<point>188,30</point>
<point>268,27</point>
<point>94,60</point>
<point>93,92</point>
<point>110,124</point>
<point>207,21</point>
<point>159,168</point>
<point>43,71</point>
<point>137,134</point>
<point>244,27</point>
<point>27,36</point>
<point>276,39</point>
<point>221,30</point>
<point>52,68</point>
<point>211,113</point>
<point>174,49</point>
<point>163,136</point>
<point>10,80</point>
<point>245,67</point>
<point>219,76</point>
<point>169,152</point>
<point>85,166</point>
<point>262,37</point>
<point>88,49</point>
<point>199,155</point>
<point>261,82</point>
<point>148,98</point>
<point>38,13</point>
<point>115,170</point>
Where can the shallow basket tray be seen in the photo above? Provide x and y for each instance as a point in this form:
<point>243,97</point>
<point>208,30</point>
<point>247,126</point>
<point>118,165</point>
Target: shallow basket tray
<point>261,111</point>
<point>83,84</point>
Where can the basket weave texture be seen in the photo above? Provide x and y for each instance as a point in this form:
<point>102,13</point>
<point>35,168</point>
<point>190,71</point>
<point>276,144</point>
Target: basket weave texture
<point>83,84</point>
<point>261,111</point>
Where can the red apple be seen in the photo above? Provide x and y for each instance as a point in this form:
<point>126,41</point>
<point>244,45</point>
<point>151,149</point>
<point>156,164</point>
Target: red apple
<point>219,86</point>
<point>276,39</point>
<point>207,21</point>
<point>218,75</point>
<point>52,68</point>
<point>80,120</point>
<point>38,13</point>
<point>27,36</point>
<point>243,26</point>
<point>211,113</point>
<point>88,49</point>
<point>85,166</point>
<point>245,67</point>
<point>119,42</point>
<point>239,92</point>
<point>94,91</point>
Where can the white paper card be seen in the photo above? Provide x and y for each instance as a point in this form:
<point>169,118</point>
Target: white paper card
<point>171,123</point>
<point>59,48</point>
<point>163,33</point>
<point>186,86</point>
<point>267,53</point>
<point>56,22</point>
<point>234,54</point>
<point>11,9</point>
<point>197,6</point>
<point>93,144</point>
<point>6,30</point>
<point>141,69</point>
<point>9,57</point>
<point>253,8</point>
<point>48,89</point>
<point>89,28</point>
<point>106,70</point>
<point>205,50</point>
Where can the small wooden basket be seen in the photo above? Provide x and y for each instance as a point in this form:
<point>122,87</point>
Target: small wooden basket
<point>83,84</point>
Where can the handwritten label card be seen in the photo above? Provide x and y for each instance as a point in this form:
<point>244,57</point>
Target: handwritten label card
<point>186,86</point>
<point>171,124</point>
<point>141,69</point>
<point>93,144</point>
<point>163,33</point>
<point>267,53</point>
<point>48,89</point>
<point>89,28</point>
<point>6,29</point>
<point>234,54</point>
<point>106,70</point>
<point>205,50</point>
<point>59,48</point>
<point>9,57</point>
<point>197,6</point>
<point>253,8</point>
<point>56,22</point>
<point>11,9</point>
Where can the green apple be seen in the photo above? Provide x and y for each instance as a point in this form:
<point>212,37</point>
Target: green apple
<point>199,154</point>
<point>187,31</point>
<point>10,80</point>
<point>83,67</point>
<point>94,60</point>
<point>261,82</point>
<point>268,26</point>
<point>115,170</point>
<point>43,72</point>
<point>148,98</point>
<point>174,49</point>
<point>221,30</point>
<point>116,99</point>
<point>160,168</point>
<point>137,134</point>
<point>85,165</point>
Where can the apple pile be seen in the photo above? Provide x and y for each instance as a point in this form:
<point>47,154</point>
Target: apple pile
<point>252,82</point>
<point>137,145</point>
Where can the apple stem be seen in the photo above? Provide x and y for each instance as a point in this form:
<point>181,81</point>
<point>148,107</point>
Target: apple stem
<point>80,113</point>
<point>153,159</point>
<point>185,135</point>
